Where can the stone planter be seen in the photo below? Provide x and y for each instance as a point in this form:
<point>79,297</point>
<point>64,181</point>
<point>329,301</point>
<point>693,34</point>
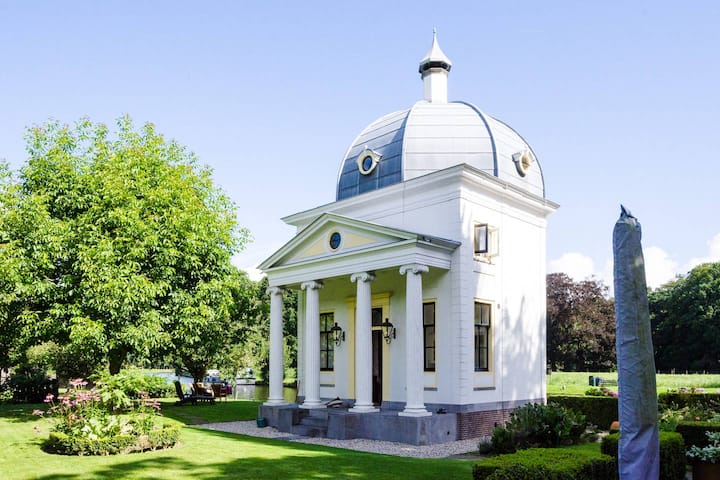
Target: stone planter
<point>706,471</point>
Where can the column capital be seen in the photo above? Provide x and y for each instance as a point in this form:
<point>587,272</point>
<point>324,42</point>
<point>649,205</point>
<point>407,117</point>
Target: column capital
<point>311,285</point>
<point>275,291</point>
<point>415,268</point>
<point>362,276</point>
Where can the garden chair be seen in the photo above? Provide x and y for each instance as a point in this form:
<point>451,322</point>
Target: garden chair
<point>183,397</point>
<point>203,393</point>
<point>219,391</point>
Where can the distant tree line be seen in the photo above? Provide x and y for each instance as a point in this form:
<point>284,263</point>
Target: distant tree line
<point>684,313</point>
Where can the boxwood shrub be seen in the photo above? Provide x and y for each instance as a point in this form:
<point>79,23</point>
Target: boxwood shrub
<point>693,433</point>
<point>708,401</point>
<point>582,462</point>
<point>59,442</point>
<point>600,411</point>
<point>672,454</point>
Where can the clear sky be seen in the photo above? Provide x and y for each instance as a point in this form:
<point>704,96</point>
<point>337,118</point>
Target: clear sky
<point>618,99</point>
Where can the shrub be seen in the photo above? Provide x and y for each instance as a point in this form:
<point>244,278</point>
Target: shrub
<point>600,411</point>
<point>537,425</point>
<point>702,401</point>
<point>31,387</point>
<point>693,433</point>
<point>672,454</point>
<point>502,441</point>
<point>574,463</point>
<point>118,391</point>
<point>82,425</point>
<point>709,453</point>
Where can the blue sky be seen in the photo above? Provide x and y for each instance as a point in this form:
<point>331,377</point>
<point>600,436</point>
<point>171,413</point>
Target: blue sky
<point>619,100</point>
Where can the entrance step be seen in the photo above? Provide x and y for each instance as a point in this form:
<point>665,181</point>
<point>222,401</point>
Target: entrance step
<point>313,423</point>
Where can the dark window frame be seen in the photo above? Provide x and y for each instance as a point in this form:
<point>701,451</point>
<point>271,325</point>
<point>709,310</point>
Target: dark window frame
<point>429,329</point>
<point>482,324</point>
<point>327,343</point>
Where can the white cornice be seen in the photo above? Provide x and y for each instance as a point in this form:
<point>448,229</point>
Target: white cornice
<point>427,185</point>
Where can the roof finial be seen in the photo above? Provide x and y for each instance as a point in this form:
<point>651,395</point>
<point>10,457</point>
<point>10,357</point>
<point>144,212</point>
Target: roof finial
<point>434,68</point>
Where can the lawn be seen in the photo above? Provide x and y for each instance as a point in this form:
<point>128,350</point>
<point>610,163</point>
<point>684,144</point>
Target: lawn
<point>205,454</point>
<point>576,383</point>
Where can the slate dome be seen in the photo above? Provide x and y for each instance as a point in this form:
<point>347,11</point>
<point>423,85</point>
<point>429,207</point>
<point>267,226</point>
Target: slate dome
<point>435,134</point>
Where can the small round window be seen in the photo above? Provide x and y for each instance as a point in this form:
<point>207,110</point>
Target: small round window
<point>523,161</point>
<point>367,161</point>
<point>335,240</point>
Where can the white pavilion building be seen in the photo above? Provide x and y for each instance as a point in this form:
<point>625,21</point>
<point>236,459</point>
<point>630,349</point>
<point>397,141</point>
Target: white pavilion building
<point>422,303</point>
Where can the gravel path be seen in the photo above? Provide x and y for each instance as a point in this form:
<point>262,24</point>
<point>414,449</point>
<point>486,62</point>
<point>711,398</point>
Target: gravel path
<point>373,446</point>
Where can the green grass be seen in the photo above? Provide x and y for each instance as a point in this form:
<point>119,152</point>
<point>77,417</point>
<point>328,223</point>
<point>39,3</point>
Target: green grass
<point>575,383</point>
<point>205,454</point>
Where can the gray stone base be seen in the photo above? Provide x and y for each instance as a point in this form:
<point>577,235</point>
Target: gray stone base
<point>341,424</point>
<point>446,424</point>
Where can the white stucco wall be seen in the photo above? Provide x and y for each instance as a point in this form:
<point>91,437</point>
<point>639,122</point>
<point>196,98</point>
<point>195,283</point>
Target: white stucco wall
<point>447,204</point>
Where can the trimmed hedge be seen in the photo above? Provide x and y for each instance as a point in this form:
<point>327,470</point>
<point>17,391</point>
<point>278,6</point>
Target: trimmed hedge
<point>672,454</point>
<point>694,432</point>
<point>600,411</point>
<point>64,444</point>
<point>705,401</point>
<point>584,462</point>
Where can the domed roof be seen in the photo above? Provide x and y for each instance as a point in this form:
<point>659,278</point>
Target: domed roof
<point>433,135</point>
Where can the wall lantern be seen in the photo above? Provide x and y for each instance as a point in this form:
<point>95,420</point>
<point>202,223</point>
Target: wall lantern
<point>389,330</point>
<point>338,334</point>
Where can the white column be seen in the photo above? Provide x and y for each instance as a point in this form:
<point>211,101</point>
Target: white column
<point>312,344</point>
<point>363,344</point>
<point>414,403</point>
<point>276,347</point>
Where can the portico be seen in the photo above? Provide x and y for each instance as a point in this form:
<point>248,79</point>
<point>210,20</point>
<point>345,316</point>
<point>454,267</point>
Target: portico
<point>393,254</point>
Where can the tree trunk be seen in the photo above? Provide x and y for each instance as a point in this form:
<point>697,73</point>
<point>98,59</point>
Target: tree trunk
<point>116,357</point>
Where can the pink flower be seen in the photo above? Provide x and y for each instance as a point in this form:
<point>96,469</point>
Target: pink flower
<point>49,397</point>
<point>38,412</point>
<point>697,419</point>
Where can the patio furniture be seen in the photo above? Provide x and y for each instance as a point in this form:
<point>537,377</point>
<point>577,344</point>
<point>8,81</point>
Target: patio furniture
<point>183,397</point>
<point>219,391</point>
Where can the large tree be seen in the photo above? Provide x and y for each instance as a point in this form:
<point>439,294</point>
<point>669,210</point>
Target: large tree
<point>685,315</point>
<point>580,324</point>
<point>119,245</point>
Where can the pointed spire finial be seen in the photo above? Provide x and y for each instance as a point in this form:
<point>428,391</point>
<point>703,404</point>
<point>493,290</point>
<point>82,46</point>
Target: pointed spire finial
<point>434,68</point>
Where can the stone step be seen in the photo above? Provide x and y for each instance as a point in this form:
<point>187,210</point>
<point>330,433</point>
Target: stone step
<point>310,430</point>
<point>314,421</point>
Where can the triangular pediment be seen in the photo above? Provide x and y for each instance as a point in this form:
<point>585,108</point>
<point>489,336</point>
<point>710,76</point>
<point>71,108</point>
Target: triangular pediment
<point>333,235</point>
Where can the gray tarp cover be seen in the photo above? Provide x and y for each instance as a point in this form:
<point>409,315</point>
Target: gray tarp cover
<point>639,446</point>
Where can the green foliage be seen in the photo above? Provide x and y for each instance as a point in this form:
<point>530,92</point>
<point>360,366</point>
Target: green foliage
<point>485,446</point>
<point>600,411</point>
<point>584,462</point>
<point>709,402</point>
<point>252,325</point>
<point>31,387</point>
<point>672,454</point>
<point>118,391</point>
<point>114,245</point>
<point>694,433</point>
<point>503,441</point>
<point>83,425</point>
<point>580,324</point>
<point>708,453</point>
<point>685,316</point>
<point>537,425</point>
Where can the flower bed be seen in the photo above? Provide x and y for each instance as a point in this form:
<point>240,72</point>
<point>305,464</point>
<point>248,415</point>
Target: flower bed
<point>82,424</point>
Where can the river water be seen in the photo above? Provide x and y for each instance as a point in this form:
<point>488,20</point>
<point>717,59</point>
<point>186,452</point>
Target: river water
<point>258,393</point>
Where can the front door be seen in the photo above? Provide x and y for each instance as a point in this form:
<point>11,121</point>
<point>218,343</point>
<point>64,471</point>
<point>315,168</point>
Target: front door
<point>377,355</point>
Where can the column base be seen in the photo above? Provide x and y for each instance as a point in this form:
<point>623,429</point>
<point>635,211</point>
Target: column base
<point>309,405</point>
<point>364,409</point>
<point>414,412</point>
<point>275,402</point>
